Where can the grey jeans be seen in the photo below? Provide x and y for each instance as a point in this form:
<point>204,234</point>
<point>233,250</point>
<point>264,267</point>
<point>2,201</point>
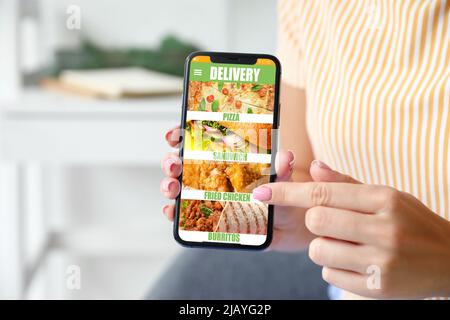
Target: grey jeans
<point>222,274</point>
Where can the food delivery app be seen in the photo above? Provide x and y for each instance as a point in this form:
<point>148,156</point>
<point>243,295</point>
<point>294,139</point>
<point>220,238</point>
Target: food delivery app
<point>227,151</point>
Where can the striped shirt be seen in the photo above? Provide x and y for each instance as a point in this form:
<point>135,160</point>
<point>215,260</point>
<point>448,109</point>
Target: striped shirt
<point>377,80</point>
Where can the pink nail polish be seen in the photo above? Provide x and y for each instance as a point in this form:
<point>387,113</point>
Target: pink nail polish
<point>291,158</point>
<point>165,208</point>
<point>170,163</point>
<point>262,193</point>
<point>167,185</point>
<point>168,135</point>
<point>320,164</point>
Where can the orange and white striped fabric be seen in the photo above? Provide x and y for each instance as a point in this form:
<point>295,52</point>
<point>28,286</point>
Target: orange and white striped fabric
<point>377,81</point>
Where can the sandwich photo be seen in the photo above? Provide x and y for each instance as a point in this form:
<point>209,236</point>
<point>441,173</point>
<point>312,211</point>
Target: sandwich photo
<point>228,136</point>
<point>234,97</point>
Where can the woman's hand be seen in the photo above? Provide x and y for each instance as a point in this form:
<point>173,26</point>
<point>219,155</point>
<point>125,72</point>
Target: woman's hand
<point>373,241</point>
<point>290,232</point>
<point>171,166</point>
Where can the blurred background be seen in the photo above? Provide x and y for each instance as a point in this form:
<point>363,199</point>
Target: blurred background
<point>87,90</point>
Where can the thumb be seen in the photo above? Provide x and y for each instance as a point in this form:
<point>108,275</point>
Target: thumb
<point>320,172</point>
<point>284,165</point>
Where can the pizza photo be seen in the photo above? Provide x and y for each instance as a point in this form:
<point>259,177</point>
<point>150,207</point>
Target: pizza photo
<point>233,97</point>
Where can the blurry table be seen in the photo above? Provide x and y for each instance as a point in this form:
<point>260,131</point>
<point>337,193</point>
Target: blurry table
<point>52,128</point>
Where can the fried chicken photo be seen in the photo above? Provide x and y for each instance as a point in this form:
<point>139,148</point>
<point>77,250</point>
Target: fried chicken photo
<point>224,176</point>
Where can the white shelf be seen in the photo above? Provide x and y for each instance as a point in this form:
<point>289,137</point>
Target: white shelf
<point>39,102</point>
<point>55,128</point>
<point>115,241</point>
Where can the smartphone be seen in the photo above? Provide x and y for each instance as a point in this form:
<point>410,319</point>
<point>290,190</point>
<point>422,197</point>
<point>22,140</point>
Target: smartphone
<point>230,117</point>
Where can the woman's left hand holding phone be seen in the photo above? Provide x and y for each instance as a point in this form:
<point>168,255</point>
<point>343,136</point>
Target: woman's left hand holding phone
<point>287,235</point>
<point>171,166</point>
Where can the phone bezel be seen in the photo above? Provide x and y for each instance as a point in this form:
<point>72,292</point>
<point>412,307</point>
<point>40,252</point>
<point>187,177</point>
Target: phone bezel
<point>232,58</point>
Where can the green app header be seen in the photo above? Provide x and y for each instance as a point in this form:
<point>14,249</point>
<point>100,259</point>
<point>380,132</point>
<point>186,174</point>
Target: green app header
<point>242,73</point>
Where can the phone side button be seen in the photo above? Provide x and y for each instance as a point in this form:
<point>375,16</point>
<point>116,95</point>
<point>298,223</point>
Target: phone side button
<point>278,115</point>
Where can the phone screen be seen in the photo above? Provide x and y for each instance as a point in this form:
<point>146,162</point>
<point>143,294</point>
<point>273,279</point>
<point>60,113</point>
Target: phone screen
<point>227,151</point>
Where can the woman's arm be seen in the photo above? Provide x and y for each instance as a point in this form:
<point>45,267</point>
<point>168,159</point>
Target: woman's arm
<point>290,232</point>
<point>293,133</point>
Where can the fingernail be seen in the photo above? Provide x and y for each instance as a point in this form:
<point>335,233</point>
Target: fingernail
<point>168,134</point>
<point>167,185</point>
<point>320,164</point>
<point>171,163</point>
<point>165,208</point>
<point>262,193</point>
<point>291,158</point>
